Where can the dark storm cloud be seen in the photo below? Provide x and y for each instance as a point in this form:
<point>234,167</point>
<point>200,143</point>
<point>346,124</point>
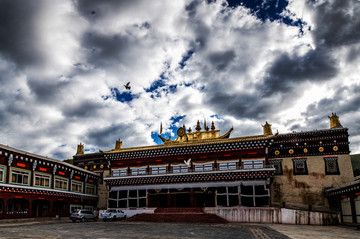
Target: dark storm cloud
<point>287,72</point>
<point>47,90</point>
<point>94,9</point>
<point>221,59</point>
<point>18,40</point>
<point>85,110</point>
<point>107,50</point>
<point>337,23</point>
<point>346,101</point>
<point>106,136</point>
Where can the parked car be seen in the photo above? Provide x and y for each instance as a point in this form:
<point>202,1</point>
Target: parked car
<point>113,214</point>
<point>83,215</point>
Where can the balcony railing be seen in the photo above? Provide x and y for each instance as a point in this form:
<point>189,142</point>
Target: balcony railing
<point>190,170</point>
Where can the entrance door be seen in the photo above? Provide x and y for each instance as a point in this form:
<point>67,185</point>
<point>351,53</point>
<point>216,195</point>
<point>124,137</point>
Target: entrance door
<point>41,208</point>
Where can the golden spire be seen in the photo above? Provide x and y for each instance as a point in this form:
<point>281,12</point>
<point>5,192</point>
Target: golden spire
<point>198,127</point>
<point>334,121</point>
<point>118,144</point>
<point>267,129</point>
<point>80,149</point>
<point>212,126</point>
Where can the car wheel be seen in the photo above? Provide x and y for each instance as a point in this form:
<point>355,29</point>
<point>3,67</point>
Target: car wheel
<point>82,219</point>
<point>114,218</point>
<point>73,220</point>
<point>124,217</point>
<point>95,219</point>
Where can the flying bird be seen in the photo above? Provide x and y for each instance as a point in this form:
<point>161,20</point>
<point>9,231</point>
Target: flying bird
<point>188,162</point>
<point>127,86</point>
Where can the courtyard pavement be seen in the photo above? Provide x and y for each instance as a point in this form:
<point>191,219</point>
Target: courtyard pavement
<point>64,228</point>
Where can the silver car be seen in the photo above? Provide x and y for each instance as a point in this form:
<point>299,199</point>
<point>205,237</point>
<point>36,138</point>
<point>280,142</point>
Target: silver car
<point>83,215</point>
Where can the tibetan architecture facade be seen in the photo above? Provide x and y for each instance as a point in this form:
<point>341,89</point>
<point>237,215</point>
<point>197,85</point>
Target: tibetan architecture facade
<point>202,168</point>
<point>37,186</point>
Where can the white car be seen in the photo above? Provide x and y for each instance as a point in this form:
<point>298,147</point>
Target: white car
<point>113,214</point>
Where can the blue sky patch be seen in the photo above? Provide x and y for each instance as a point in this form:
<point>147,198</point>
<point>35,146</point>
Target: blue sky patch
<point>185,58</point>
<point>268,9</point>
<point>123,97</point>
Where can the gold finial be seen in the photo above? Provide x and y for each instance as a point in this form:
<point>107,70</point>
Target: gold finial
<point>118,144</point>
<point>267,129</point>
<point>212,126</point>
<point>80,149</point>
<point>189,130</point>
<point>198,127</point>
<point>334,121</point>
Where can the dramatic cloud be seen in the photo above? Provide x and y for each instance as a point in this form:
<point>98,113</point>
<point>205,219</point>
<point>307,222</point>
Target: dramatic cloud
<point>64,64</point>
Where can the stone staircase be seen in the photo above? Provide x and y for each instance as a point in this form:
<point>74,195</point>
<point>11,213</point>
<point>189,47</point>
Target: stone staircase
<point>192,215</point>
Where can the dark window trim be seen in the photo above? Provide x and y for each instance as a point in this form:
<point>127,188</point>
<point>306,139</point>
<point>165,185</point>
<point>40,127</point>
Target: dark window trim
<point>300,160</point>
<point>328,159</point>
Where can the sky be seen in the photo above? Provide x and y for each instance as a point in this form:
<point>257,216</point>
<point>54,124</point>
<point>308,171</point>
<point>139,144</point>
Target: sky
<point>64,64</point>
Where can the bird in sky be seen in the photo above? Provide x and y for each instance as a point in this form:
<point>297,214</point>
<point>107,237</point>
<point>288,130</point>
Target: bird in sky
<point>188,162</point>
<point>127,86</point>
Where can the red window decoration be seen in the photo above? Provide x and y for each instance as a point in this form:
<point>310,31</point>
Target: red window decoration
<point>77,177</point>
<point>42,169</point>
<point>61,173</point>
<point>21,165</point>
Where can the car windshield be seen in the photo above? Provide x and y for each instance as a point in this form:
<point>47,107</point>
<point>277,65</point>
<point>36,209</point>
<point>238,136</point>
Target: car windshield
<point>111,210</point>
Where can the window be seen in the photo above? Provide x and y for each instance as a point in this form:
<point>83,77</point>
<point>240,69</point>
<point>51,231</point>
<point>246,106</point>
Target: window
<point>127,198</point>
<point>76,186</point>
<point>331,165</point>
<point>119,172</point>
<point>89,208</point>
<point>158,169</point>
<point>19,176</point>
<point>42,180</point>
<point>90,189</point>
<point>227,196</point>
<point>138,171</point>
<point>300,167</point>
<point>2,173</point>
<point>61,183</point>
<point>228,165</point>
<point>180,168</point>
<point>254,195</point>
<point>253,163</point>
<point>277,164</point>
<point>73,208</point>
<point>203,167</point>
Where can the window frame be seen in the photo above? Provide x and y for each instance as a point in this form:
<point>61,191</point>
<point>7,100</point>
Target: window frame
<point>278,162</point>
<point>3,170</point>
<point>61,178</point>
<point>41,174</point>
<point>298,161</point>
<point>92,186</point>
<point>329,159</point>
<point>12,169</point>
<point>78,183</point>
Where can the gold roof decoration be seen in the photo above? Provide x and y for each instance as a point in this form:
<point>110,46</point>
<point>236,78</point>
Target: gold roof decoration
<point>184,137</point>
<point>80,149</point>
<point>334,121</point>
<point>267,129</point>
<point>118,144</point>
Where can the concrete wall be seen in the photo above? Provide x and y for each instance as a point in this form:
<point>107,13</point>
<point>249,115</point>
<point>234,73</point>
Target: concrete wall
<point>103,193</point>
<point>274,215</point>
<point>305,190</point>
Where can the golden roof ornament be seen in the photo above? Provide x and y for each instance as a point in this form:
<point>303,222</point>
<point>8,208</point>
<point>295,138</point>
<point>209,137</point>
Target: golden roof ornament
<point>80,149</point>
<point>188,137</point>
<point>334,121</point>
<point>212,126</point>
<point>118,144</point>
<point>267,129</point>
<point>198,127</point>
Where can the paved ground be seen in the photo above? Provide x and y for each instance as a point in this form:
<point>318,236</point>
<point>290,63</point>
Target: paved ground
<point>67,229</point>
